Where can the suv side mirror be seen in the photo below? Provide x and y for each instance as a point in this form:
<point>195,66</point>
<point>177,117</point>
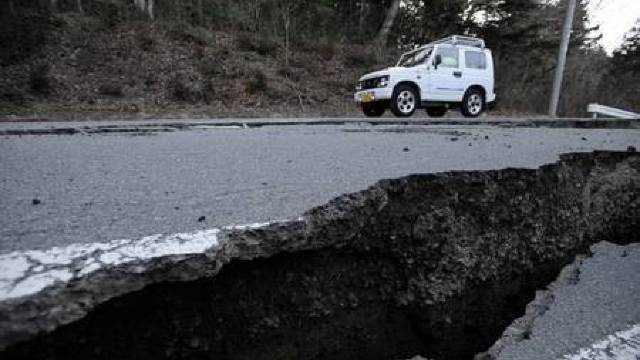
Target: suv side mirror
<point>437,61</point>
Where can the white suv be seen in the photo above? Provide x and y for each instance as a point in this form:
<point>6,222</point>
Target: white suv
<point>455,71</point>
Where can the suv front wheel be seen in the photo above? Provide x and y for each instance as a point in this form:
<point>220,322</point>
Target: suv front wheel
<point>472,103</point>
<point>404,101</point>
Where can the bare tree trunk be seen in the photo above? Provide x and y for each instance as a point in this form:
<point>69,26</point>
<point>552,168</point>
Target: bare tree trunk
<point>256,16</point>
<point>200,13</point>
<point>150,9</point>
<point>178,9</point>
<point>12,9</point>
<point>54,5</point>
<point>79,6</point>
<point>389,20</point>
<point>363,12</point>
<point>287,25</point>
<point>286,8</point>
<point>146,6</point>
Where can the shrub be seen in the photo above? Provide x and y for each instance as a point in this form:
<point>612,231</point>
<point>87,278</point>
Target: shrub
<point>186,33</point>
<point>187,87</point>
<point>16,97</point>
<point>111,89</point>
<point>359,59</point>
<point>22,34</point>
<point>146,42</point>
<point>326,51</point>
<point>289,73</point>
<point>257,83</point>
<point>210,66</point>
<point>39,80</point>
<point>340,85</point>
<point>261,45</point>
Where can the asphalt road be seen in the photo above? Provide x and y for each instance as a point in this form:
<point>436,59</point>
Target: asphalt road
<point>62,189</point>
<point>596,318</point>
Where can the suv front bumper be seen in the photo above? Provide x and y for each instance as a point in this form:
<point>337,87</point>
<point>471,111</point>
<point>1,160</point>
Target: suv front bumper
<point>372,95</point>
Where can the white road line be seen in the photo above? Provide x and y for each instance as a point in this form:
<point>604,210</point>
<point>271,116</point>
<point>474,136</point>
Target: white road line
<point>623,345</point>
<point>28,272</point>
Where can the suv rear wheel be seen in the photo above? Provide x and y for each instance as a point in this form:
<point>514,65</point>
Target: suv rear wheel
<point>438,111</point>
<point>373,109</point>
<point>404,101</point>
<point>472,103</point>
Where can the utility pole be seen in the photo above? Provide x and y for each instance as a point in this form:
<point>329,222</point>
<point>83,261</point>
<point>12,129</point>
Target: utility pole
<point>562,57</point>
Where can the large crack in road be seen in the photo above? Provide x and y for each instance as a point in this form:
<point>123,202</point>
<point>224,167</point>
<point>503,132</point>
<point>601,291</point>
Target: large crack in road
<point>437,265</point>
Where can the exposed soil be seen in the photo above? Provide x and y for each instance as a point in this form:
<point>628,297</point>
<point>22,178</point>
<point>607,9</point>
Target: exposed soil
<point>322,304</point>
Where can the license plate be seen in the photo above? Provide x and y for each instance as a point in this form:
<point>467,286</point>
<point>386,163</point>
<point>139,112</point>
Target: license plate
<point>366,97</point>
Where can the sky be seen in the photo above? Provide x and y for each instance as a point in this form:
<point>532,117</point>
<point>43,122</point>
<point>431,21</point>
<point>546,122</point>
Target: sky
<point>615,18</point>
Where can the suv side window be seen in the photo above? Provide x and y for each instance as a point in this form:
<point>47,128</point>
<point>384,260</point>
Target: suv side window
<point>475,60</point>
<point>450,57</point>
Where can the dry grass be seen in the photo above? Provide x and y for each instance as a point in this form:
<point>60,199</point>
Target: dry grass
<point>156,68</point>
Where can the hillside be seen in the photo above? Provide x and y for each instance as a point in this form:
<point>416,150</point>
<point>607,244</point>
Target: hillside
<point>164,58</point>
<point>77,64</point>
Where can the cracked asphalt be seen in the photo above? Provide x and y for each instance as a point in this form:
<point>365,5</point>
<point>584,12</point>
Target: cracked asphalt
<point>63,189</point>
<point>582,321</point>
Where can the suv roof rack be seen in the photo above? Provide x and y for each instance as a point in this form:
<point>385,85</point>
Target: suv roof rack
<point>452,40</point>
<point>460,40</point>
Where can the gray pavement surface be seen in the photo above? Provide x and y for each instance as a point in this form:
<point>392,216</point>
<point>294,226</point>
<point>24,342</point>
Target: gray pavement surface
<point>63,189</point>
<point>159,125</point>
<point>596,318</point>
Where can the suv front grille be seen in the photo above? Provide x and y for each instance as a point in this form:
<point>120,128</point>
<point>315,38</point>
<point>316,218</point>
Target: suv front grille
<point>369,83</point>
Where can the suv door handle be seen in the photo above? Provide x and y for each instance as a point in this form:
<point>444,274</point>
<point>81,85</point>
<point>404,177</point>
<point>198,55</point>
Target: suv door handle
<point>457,74</point>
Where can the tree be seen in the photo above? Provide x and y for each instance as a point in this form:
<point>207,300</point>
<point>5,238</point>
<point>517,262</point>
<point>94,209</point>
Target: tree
<point>286,10</point>
<point>392,13</point>
<point>424,21</point>
<point>146,6</point>
<point>200,13</point>
<point>626,58</point>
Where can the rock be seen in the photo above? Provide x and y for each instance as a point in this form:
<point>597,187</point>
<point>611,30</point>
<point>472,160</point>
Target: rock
<point>202,218</point>
<point>405,149</point>
<point>36,202</point>
<point>632,149</point>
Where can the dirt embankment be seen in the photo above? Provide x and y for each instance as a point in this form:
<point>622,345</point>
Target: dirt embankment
<point>437,265</point>
<point>74,65</point>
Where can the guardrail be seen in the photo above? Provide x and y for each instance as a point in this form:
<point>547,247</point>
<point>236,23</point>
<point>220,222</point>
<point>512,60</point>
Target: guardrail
<point>598,109</point>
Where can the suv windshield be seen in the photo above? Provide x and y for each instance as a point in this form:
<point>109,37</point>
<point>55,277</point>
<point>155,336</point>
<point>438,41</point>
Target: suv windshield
<point>414,58</point>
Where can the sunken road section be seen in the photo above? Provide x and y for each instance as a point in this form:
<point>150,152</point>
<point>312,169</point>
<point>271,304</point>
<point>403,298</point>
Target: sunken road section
<point>436,264</point>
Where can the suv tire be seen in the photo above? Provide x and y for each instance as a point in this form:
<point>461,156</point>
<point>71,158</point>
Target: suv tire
<point>404,101</point>
<point>473,103</point>
<point>436,111</point>
<point>373,109</point>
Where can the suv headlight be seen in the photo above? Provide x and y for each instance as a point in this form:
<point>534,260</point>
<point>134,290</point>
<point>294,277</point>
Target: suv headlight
<point>359,86</point>
<point>383,81</point>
